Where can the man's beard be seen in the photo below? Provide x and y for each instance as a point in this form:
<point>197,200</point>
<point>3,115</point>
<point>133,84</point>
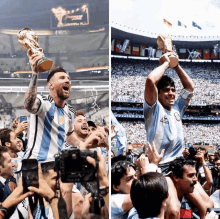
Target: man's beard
<point>62,96</point>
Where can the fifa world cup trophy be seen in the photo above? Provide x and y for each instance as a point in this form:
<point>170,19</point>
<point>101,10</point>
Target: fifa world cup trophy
<point>165,44</point>
<point>28,40</point>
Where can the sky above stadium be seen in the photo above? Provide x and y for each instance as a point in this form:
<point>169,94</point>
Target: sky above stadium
<point>148,16</point>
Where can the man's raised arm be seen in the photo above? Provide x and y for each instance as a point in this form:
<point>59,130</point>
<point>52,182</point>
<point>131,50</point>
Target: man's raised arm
<point>31,102</point>
<point>185,80</point>
<point>151,92</point>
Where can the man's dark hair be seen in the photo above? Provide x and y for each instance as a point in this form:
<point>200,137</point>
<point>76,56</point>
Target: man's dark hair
<point>47,166</point>
<point>164,82</point>
<point>80,113</point>
<point>5,135</point>
<point>150,190</point>
<point>3,149</point>
<point>118,170</point>
<point>177,166</point>
<point>54,71</point>
<point>216,159</point>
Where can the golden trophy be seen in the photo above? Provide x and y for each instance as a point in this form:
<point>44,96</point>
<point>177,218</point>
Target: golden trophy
<point>165,44</point>
<point>28,40</point>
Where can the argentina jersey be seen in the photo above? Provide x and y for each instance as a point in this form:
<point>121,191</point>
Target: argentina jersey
<point>48,129</point>
<point>165,128</point>
<point>116,206</point>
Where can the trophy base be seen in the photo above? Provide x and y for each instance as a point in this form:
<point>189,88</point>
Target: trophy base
<point>44,64</point>
<point>173,61</point>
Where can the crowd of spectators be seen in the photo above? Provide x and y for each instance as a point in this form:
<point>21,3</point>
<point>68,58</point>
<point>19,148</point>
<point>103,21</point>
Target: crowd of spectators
<point>129,77</point>
<point>193,133</point>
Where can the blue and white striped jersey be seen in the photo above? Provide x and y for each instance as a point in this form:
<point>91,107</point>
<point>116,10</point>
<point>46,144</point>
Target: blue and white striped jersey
<point>116,206</point>
<point>134,215</point>
<point>165,128</point>
<point>48,129</point>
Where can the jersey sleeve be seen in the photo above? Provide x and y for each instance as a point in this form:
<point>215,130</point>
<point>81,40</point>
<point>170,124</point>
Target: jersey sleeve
<point>116,205</point>
<point>181,101</point>
<point>150,110</point>
<point>43,104</point>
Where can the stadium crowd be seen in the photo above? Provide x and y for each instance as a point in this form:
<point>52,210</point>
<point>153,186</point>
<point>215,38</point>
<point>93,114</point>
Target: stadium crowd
<point>193,132</point>
<point>129,76</point>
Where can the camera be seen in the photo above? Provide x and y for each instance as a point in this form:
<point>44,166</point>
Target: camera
<point>192,152</point>
<point>72,165</point>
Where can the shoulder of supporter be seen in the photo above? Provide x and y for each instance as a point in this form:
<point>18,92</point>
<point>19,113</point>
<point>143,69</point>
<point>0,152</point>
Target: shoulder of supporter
<point>216,198</point>
<point>133,214</point>
<point>116,204</point>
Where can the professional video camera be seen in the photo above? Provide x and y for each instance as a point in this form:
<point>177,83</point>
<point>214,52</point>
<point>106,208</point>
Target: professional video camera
<point>72,165</point>
<point>192,152</point>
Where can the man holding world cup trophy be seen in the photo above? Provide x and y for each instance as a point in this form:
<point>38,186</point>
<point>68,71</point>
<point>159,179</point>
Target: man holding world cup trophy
<point>52,119</point>
<point>163,114</point>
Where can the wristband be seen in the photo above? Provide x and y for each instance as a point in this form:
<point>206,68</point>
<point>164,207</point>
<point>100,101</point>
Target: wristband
<point>176,65</point>
<point>3,210</point>
<point>104,190</point>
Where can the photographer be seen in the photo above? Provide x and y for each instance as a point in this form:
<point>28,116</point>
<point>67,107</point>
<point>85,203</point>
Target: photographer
<point>205,175</point>
<point>216,174</point>
<point>130,155</point>
<point>102,176</point>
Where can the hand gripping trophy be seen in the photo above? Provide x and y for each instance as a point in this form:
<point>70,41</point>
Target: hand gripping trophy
<point>28,40</point>
<point>165,44</point>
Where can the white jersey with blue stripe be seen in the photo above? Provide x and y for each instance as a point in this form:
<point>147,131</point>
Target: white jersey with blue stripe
<point>116,206</point>
<point>134,215</point>
<point>48,129</point>
<point>165,128</point>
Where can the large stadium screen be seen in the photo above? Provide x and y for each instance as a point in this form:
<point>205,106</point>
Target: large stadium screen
<point>206,54</point>
<point>71,15</point>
